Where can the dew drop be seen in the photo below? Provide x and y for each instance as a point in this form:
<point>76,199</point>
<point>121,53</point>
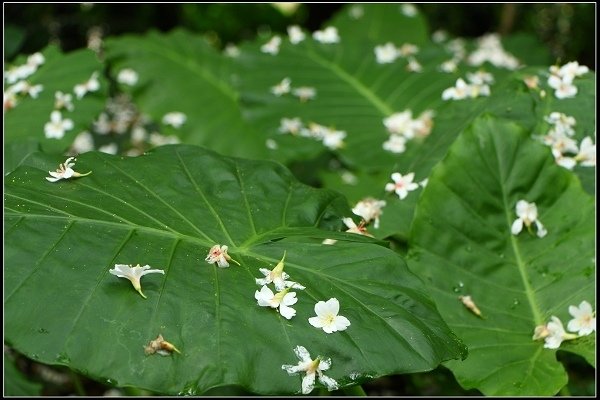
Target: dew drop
<point>514,304</point>
<point>63,358</point>
<point>43,330</point>
<point>468,249</point>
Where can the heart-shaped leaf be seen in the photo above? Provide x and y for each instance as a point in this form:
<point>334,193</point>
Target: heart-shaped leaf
<point>167,209</point>
<point>461,243</point>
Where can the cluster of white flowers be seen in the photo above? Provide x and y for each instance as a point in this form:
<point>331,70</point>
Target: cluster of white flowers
<point>477,86</point>
<point>304,93</point>
<point>20,72</point>
<point>327,36</point>
<point>490,49</point>
<point>331,138</point>
<point>283,299</point>
<point>565,150</point>
<point>553,333</point>
<point>561,79</point>
<point>402,127</point>
<point>527,215</point>
<point>388,53</point>
<point>16,78</point>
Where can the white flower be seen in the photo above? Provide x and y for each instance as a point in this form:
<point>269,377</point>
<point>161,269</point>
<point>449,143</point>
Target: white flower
<point>584,319</point>
<point>312,368</point>
<point>386,54</point>
<point>134,274</point>
<point>563,123</point>
<point>333,139</point>
<point>327,36</point>
<point>282,87</point>
<point>555,334</point>
<point>448,66</point>
<point>65,171</point>
<point>587,152</point>
<point>413,65</point>
<point>290,125</point>
<point>349,178</point>
<point>461,90</point>
<point>400,123</point>
<point>218,254</point>
<point>369,209</point>
<point>295,33</point>
<point>439,36</point>
<point>527,214</point>
<point>305,93</point>
<point>231,50</point>
<point>480,77</point>
<point>83,142</point>
<point>91,85</point>
<point>63,100</point>
<point>175,119</point>
<point>395,144</point>
<point>10,100</point>
<point>127,76</point>
<point>281,301</point>
<point>359,229</point>
<point>272,46</point>
<point>402,184</point>
<point>408,49</point>
<point>563,89</point>
<point>532,81</point>
<point>327,316</point>
<point>271,144</point>
<point>356,12</point>
<point>156,139</point>
<point>110,148</point>
<point>36,60</point>
<point>277,277</point>
<point>408,10</point>
<point>490,50</point>
<point>55,129</point>
<point>571,70</point>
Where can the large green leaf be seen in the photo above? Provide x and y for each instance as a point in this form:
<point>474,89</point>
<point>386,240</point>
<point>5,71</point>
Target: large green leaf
<point>166,209</point>
<point>461,243</point>
<point>60,72</point>
<point>380,23</point>
<point>181,72</point>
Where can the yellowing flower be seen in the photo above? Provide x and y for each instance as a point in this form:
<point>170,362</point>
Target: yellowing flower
<point>312,368</point>
<point>218,254</point>
<point>134,274</point>
<point>278,277</point>
<point>327,316</point>
<point>160,346</point>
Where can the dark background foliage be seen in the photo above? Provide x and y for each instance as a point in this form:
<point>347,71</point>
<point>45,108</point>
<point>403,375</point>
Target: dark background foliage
<point>563,28</point>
